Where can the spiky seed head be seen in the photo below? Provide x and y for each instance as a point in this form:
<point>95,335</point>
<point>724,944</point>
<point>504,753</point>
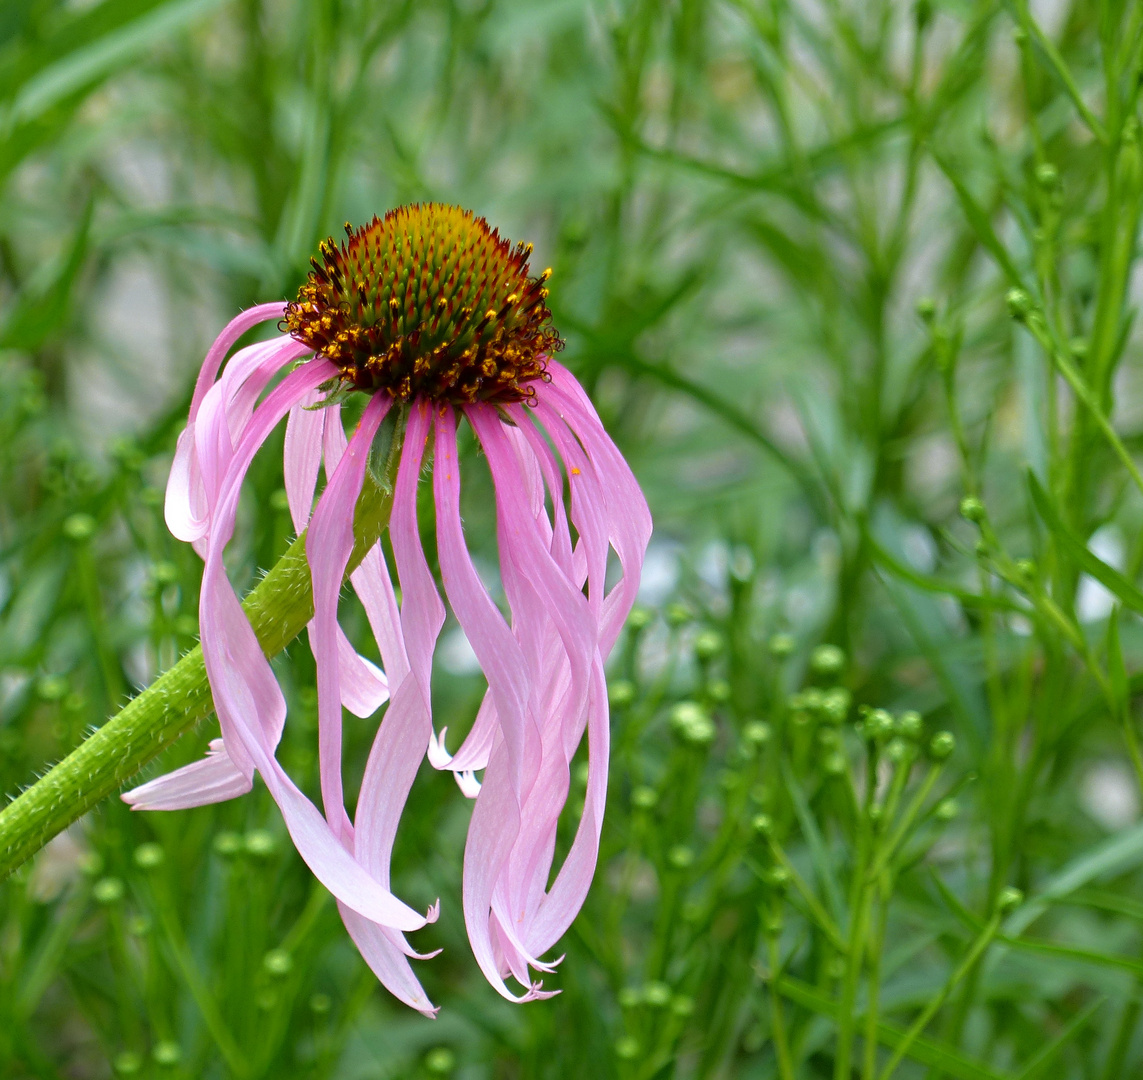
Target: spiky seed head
<point>428,302</point>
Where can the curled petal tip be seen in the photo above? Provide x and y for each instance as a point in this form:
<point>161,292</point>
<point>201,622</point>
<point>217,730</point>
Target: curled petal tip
<point>467,783</point>
<point>433,913</point>
<point>537,993</point>
<point>439,757</point>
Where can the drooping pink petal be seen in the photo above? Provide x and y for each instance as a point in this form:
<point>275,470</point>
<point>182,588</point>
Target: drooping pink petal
<point>406,648</point>
<point>233,330</point>
<point>218,416</point>
<point>364,688</point>
<point>247,697</point>
<point>497,650</point>
<point>374,589</point>
<point>329,543</point>
<point>540,594</point>
<point>629,520</point>
<point>404,733</point>
<point>486,850</point>
<point>301,458</point>
<point>213,779</point>
<point>387,961</point>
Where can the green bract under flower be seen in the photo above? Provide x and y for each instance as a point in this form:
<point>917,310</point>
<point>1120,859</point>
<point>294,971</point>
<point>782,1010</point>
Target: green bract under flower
<point>428,302</point>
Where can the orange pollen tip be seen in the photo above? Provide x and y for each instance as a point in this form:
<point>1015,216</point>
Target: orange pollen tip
<point>396,307</point>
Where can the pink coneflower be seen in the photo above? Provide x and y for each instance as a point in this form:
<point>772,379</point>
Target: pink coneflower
<point>434,317</point>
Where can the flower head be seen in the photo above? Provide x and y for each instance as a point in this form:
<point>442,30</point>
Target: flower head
<point>433,317</point>
<point>428,302</point>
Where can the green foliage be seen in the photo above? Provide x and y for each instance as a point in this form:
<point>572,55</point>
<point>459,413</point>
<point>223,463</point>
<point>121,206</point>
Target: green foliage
<point>852,285</point>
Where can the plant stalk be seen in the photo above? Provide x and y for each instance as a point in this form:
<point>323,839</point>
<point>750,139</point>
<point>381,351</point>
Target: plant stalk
<point>278,607</point>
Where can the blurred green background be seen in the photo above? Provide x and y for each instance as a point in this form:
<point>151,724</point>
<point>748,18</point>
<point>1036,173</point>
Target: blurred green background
<point>829,269</point>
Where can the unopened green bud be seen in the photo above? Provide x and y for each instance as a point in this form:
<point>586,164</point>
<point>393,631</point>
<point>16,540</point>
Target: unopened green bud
<point>107,891</point>
<point>678,615</point>
<point>910,725</point>
<point>79,527</point>
<point>835,764</point>
<point>690,722</point>
<point>1047,175</point>
<point>680,856</point>
<point>762,824</point>
<point>149,856</point>
<point>719,691</point>
<point>682,1006</point>
<point>777,877</point>
<point>227,844</point>
<point>1019,303</point>
<point>899,751</point>
<point>630,997</point>
<point>1026,568</point>
<point>127,1063</point>
<point>278,963</point>
<point>164,573</point>
<point>827,660</point>
<point>657,994</point>
<point>259,843</point>
<point>620,693</point>
<point>942,744</point>
<point>972,509</point>
<point>627,1048</point>
<point>946,810</point>
<point>644,798</point>
<point>708,644</point>
<point>781,645</point>
<point>757,732</point>
<point>878,724</point>
<point>167,1054</point>
<point>926,309</point>
<point>440,1061</point>
<point>639,618</point>
<point>1009,899</point>
<point>835,705</point>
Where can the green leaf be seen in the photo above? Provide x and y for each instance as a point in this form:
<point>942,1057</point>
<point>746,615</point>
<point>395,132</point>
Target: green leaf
<point>102,57</point>
<point>926,1051</point>
<point>1117,854</point>
<point>1116,668</point>
<point>978,220</point>
<point>819,855</point>
<point>1049,1053</point>
<point>1091,564</point>
<point>41,309</point>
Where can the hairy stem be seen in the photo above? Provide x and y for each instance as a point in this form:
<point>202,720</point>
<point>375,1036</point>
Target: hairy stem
<point>278,607</point>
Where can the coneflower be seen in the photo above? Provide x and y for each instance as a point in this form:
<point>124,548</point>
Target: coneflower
<point>434,317</point>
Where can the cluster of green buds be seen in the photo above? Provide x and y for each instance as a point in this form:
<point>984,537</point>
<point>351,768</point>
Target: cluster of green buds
<point>902,735</point>
<point>692,724</point>
<point>826,706</point>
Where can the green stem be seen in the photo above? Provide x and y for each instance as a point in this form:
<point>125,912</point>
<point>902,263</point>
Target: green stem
<point>777,1019</point>
<point>278,607</point>
<point>860,897</point>
<point>918,1026</point>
